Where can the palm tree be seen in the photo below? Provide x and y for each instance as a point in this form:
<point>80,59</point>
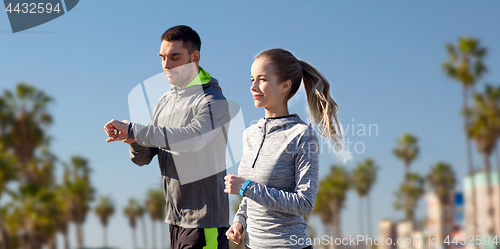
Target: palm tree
<point>407,150</point>
<point>465,65</point>
<point>408,194</point>
<point>442,181</point>
<point>155,204</point>
<point>23,119</point>
<point>25,116</point>
<point>104,210</point>
<point>140,214</point>
<point>81,193</point>
<point>64,217</point>
<point>363,178</point>
<point>7,174</point>
<point>34,203</point>
<point>12,226</point>
<point>322,208</point>
<point>131,211</point>
<point>484,129</point>
<point>331,196</point>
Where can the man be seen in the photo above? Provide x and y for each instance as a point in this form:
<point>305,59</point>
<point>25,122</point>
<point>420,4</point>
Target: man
<point>188,133</point>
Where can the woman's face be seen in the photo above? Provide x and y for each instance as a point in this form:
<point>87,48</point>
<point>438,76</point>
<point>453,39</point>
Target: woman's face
<point>266,90</point>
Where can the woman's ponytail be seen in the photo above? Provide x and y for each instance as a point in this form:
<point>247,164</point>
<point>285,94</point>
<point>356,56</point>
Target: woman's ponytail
<point>323,108</point>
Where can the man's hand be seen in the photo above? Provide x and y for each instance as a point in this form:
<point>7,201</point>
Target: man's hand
<point>233,184</point>
<point>234,232</point>
<point>116,130</point>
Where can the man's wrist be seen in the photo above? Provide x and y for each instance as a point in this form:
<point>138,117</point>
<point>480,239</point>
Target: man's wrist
<point>130,131</point>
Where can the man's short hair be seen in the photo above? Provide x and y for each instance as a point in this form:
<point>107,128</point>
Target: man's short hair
<point>190,39</point>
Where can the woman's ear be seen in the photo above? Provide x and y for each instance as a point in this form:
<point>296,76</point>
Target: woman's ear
<point>286,86</point>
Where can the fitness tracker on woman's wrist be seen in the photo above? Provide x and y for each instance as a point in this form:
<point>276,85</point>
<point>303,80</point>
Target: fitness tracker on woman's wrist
<point>245,185</point>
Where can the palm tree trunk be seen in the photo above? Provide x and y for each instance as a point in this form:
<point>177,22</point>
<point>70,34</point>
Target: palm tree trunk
<point>66,240</point>
<point>4,244</point>
<point>338,226</point>
<point>473,212</point>
<point>336,222</point>
<point>360,209</point>
<point>79,235</point>
<point>487,167</point>
<point>52,242</point>
<point>133,238</point>
<point>162,235</point>
<point>144,237</point>
<point>105,236</point>
<point>497,160</point>
<point>368,214</point>
<point>329,230</point>
<point>154,234</point>
<point>5,240</point>
<point>442,234</point>
<point>3,235</point>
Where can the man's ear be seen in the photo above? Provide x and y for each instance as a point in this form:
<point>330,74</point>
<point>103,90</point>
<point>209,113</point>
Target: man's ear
<point>286,86</point>
<point>195,57</point>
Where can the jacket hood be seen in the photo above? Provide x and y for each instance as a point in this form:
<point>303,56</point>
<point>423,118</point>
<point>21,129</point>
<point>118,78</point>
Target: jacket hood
<point>270,125</point>
<point>192,89</point>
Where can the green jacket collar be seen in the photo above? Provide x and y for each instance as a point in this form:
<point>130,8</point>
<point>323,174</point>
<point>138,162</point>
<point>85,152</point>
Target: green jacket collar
<point>202,78</point>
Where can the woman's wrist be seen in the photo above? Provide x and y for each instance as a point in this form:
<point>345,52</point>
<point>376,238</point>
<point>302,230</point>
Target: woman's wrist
<point>244,187</point>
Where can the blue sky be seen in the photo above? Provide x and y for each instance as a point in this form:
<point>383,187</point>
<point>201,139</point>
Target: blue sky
<point>382,59</point>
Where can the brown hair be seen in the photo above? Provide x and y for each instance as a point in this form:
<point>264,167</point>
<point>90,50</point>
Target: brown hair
<point>322,108</point>
<point>190,39</point>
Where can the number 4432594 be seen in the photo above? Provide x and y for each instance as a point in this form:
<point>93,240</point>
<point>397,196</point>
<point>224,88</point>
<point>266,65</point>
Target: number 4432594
<point>472,240</point>
<point>33,8</point>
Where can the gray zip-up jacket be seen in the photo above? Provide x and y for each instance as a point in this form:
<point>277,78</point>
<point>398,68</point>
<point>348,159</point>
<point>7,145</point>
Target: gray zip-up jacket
<point>280,157</point>
<point>185,133</point>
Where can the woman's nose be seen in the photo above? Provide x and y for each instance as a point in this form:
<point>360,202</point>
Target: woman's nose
<point>254,87</point>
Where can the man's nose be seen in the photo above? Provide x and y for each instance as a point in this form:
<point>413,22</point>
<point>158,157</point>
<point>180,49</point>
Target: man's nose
<point>167,64</point>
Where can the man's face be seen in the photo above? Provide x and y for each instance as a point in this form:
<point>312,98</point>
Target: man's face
<point>179,66</point>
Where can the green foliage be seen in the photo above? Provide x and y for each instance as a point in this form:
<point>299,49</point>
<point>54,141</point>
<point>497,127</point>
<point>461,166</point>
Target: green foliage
<point>364,176</point>
<point>407,149</point>
<point>80,191</point>
<point>133,211</point>
<point>465,63</point>
<point>104,209</point>
<point>155,204</point>
<point>408,194</point>
<point>484,125</point>
<point>441,179</point>
<point>331,194</point>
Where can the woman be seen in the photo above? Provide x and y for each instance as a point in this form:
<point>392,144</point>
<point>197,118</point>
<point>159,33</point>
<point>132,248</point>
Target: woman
<point>278,173</point>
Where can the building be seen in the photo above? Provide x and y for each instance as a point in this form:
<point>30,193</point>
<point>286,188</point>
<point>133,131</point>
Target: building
<point>387,230</point>
<point>484,203</point>
<point>440,219</point>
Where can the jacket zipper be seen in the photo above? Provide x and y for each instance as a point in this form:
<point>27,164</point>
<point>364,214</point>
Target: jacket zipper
<point>173,107</point>
<point>258,152</point>
<point>173,208</point>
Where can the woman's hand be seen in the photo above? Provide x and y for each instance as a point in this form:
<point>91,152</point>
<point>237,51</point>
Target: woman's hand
<point>233,184</point>
<point>234,232</point>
